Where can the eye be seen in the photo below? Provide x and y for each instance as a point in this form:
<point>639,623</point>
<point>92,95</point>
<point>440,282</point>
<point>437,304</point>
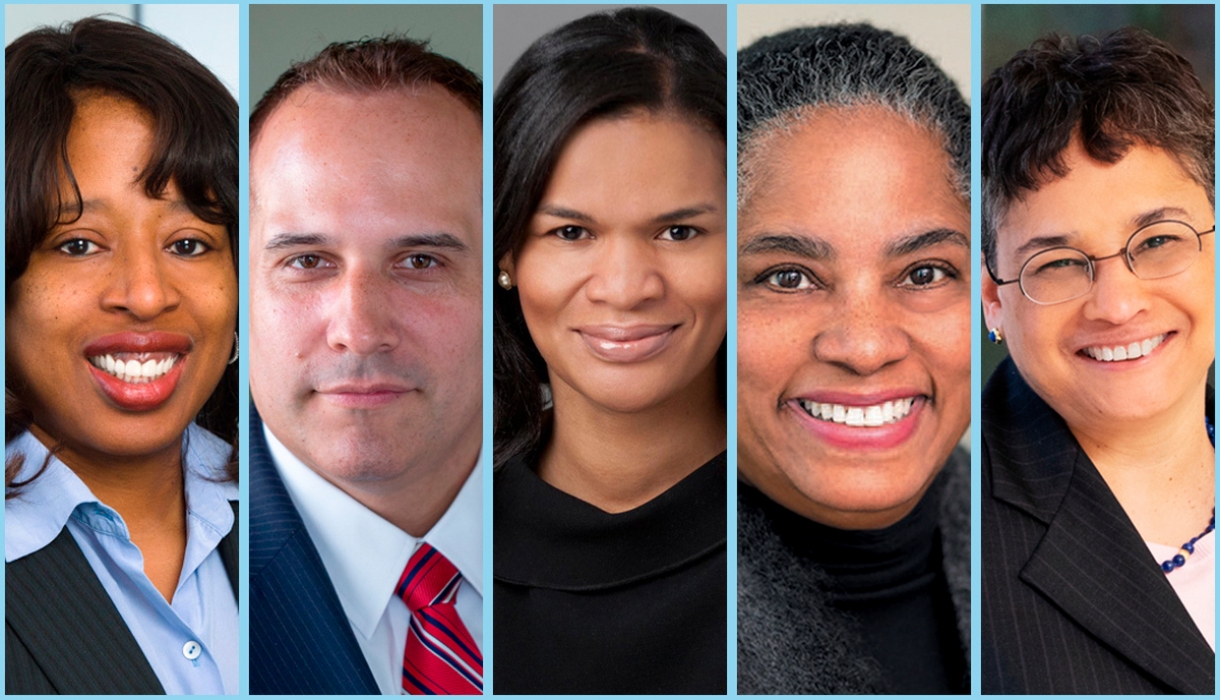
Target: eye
<point>788,279</point>
<point>308,261</point>
<point>926,275</point>
<point>420,261</point>
<point>78,247</point>
<point>679,233</point>
<point>572,233</point>
<point>189,247</point>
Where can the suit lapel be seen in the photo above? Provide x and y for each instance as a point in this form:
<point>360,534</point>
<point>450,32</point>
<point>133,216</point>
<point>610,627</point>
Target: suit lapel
<point>1091,563</point>
<point>300,639</point>
<point>63,616</point>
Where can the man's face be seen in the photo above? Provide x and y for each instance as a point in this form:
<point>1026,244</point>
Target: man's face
<point>365,292</point>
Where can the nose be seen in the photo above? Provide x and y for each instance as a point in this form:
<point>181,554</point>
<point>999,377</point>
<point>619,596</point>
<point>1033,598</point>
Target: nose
<point>864,335</point>
<point>361,314</point>
<point>1117,294</point>
<point>141,283</point>
<point>625,273</point>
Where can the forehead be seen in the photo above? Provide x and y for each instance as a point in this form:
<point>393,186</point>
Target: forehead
<point>638,165</point>
<point>1107,199</point>
<point>854,177</point>
<point>350,164</point>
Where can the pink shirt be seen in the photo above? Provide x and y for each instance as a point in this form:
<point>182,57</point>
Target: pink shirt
<point>1195,582</point>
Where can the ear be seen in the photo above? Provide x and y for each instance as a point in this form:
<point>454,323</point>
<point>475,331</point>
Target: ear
<point>992,306</point>
<point>506,264</point>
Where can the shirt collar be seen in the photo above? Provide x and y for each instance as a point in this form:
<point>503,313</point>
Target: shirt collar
<point>364,554</point>
<point>36,516</point>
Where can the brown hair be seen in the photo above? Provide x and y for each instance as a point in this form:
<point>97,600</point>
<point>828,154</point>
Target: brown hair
<point>372,65</point>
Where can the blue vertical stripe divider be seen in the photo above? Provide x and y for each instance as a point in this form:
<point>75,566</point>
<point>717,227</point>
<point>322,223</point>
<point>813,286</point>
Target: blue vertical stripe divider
<point>976,437</point>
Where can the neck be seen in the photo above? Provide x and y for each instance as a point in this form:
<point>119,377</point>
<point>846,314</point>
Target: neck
<point>148,492</point>
<point>144,489</point>
<point>415,499</point>
<point>619,461</point>
<point>1167,492</point>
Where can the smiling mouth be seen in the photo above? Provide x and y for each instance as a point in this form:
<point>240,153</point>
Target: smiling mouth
<point>1122,353</point>
<point>136,367</point>
<point>873,416</point>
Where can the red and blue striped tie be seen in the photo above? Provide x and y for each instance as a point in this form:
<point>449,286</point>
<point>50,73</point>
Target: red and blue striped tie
<point>441,657</point>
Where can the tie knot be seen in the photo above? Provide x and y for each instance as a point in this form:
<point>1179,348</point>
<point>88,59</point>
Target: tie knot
<point>429,579</point>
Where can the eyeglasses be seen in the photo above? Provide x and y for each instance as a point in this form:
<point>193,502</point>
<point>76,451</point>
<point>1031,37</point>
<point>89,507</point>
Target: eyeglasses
<point>1160,249</point>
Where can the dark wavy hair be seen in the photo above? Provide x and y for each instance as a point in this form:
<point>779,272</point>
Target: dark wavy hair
<point>600,66</point>
<point>1124,89</point>
<point>194,147</point>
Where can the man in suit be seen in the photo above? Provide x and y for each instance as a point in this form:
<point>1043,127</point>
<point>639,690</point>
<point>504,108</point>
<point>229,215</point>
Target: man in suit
<point>366,365</point>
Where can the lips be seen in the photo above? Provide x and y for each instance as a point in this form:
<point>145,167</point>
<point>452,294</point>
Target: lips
<point>627,344</point>
<point>873,421</point>
<point>364,395</point>
<point>138,371</point>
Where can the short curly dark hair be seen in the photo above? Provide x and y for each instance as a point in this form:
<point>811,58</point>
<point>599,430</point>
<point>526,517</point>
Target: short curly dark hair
<point>1123,89</point>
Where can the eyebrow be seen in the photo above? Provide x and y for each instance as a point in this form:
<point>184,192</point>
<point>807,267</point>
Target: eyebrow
<point>1137,222</point>
<point>804,246</point>
<point>414,240</point>
<point>675,215</point>
<point>912,244</point>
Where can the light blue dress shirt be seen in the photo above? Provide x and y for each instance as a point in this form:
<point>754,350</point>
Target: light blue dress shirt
<point>191,644</point>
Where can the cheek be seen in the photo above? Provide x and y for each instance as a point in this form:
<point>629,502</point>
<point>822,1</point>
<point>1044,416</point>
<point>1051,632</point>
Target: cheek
<point>769,352</point>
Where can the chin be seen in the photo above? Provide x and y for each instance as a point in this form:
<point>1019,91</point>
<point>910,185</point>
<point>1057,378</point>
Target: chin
<point>855,490</point>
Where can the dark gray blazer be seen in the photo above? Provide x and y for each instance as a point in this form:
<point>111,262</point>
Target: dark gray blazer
<point>790,640</point>
<point>1073,601</point>
<point>62,633</point>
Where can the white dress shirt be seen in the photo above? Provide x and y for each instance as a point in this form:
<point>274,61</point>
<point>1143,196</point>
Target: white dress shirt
<point>365,555</point>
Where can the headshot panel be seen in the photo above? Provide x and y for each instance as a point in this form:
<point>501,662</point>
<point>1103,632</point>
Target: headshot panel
<point>121,197</point>
<point>610,317</point>
<point>1098,279</point>
<point>853,302</point>
<point>366,356</point>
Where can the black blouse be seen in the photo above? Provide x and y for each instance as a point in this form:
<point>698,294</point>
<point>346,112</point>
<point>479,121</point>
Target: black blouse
<point>610,603</point>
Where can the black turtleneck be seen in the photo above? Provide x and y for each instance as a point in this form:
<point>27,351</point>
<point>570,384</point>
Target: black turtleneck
<point>892,583</point>
<point>610,603</point>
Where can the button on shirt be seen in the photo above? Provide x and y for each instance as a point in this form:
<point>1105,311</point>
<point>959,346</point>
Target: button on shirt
<point>365,555</point>
<point>191,643</point>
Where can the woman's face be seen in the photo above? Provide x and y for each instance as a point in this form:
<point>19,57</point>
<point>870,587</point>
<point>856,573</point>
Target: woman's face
<point>121,326</point>
<point>854,316</point>
<point>1095,208</point>
<point>622,273</point>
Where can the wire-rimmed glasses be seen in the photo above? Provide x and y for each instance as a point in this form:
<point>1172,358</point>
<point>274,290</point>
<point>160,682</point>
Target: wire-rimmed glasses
<point>1155,251</point>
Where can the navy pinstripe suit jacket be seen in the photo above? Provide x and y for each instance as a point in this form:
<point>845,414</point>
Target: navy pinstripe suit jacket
<point>300,640</point>
<point>1073,601</point>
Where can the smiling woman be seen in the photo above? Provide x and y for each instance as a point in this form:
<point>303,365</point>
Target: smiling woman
<point>1098,457</point>
<point>853,367</point>
<point>121,311</point>
<point>610,478</point>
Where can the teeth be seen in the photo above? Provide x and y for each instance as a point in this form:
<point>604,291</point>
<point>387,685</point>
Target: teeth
<point>134,371</point>
<point>1119,353</point>
<point>860,416</point>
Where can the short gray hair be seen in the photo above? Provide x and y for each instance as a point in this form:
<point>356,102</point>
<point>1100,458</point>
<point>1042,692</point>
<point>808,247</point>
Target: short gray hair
<point>782,78</point>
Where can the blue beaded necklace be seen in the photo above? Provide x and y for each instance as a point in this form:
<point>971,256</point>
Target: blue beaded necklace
<point>1188,548</point>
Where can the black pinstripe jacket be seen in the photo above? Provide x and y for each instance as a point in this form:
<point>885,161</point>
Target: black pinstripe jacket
<point>62,633</point>
<point>1073,602</point>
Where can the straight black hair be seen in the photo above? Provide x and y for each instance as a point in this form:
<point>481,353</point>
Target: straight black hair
<point>600,66</point>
